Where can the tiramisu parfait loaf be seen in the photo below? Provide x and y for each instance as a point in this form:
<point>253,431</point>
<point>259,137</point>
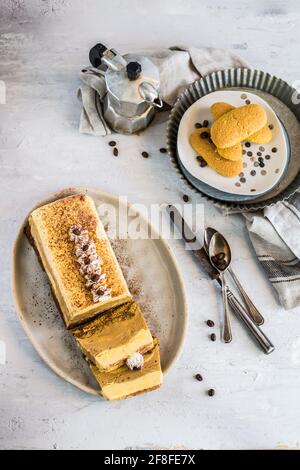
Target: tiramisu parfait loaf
<point>76,254</point>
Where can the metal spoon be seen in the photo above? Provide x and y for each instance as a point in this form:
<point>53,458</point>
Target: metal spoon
<point>252,310</point>
<point>220,258</point>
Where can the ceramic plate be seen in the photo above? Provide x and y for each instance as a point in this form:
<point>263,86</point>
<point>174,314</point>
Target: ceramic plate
<point>254,180</point>
<point>153,278</point>
<point>221,195</point>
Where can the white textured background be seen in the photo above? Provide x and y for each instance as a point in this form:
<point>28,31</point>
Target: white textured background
<point>43,44</point>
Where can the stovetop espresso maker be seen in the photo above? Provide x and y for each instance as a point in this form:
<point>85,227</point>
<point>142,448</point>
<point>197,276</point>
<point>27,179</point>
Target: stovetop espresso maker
<point>132,83</point>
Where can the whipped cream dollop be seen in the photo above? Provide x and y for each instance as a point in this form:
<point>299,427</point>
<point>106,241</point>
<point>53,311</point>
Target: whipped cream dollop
<point>135,361</point>
<point>90,264</point>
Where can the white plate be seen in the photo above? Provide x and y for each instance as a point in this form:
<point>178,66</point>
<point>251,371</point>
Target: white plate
<point>265,178</point>
<point>153,278</point>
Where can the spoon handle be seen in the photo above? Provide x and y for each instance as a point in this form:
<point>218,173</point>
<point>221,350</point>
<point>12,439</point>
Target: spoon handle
<point>253,312</point>
<point>257,333</point>
<point>226,330</point>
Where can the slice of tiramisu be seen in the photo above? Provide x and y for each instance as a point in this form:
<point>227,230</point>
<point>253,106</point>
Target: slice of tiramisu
<point>141,373</point>
<point>76,254</point>
<point>108,340</point>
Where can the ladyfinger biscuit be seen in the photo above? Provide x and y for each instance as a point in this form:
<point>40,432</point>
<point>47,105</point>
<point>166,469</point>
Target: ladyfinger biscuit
<point>232,153</point>
<point>220,108</point>
<point>201,142</point>
<point>237,125</point>
<point>264,136</point>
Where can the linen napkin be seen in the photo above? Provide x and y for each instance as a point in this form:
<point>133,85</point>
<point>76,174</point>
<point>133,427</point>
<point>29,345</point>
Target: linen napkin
<point>178,67</point>
<point>275,236</point>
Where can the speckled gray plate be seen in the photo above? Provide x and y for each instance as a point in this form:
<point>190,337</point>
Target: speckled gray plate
<point>153,279</point>
<point>278,94</point>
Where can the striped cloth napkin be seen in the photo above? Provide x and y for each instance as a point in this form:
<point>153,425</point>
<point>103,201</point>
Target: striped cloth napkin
<point>275,236</point>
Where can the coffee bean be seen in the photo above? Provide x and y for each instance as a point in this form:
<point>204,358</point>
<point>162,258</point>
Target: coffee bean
<point>274,149</point>
<point>241,174</point>
<point>77,231</point>
<point>85,247</point>
<point>116,152</point>
<point>249,154</point>
<point>252,172</point>
<point>243,180</point>
<point>198,125</point>
<point>213,337</point>
<point>163,150</point>
<point>95,277</point>
<point>262,149</point>
<point>256,164</point>
<point>205,123</point>
<point>247,144</point>
<point>247,101</point>
<point>204,135</point>
<point>243,96</point>
<point>259,154</point>
<point>199,377</point>
<point>112,143</point>
<point>263,172</point>
<point>260,159</point>
<point>99,292</point>
<point>271,127</point>
<point>238,184</point>
<point>185,198</point>
<point>145,154</point>
<point>211,392</point>
<point>252,190</point>
<point>261,164</point>
<point>220,256</point>
<point>222,265</point>
<point>210,323</point>
<point>201,161</point>
<point>267,157</point>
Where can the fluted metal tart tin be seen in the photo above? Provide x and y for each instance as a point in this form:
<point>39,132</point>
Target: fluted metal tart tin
<point>281,97</point>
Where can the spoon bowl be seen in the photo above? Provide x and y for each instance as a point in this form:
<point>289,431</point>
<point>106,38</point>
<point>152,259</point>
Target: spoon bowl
<point>220,257</point>
<point>219,252</point>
